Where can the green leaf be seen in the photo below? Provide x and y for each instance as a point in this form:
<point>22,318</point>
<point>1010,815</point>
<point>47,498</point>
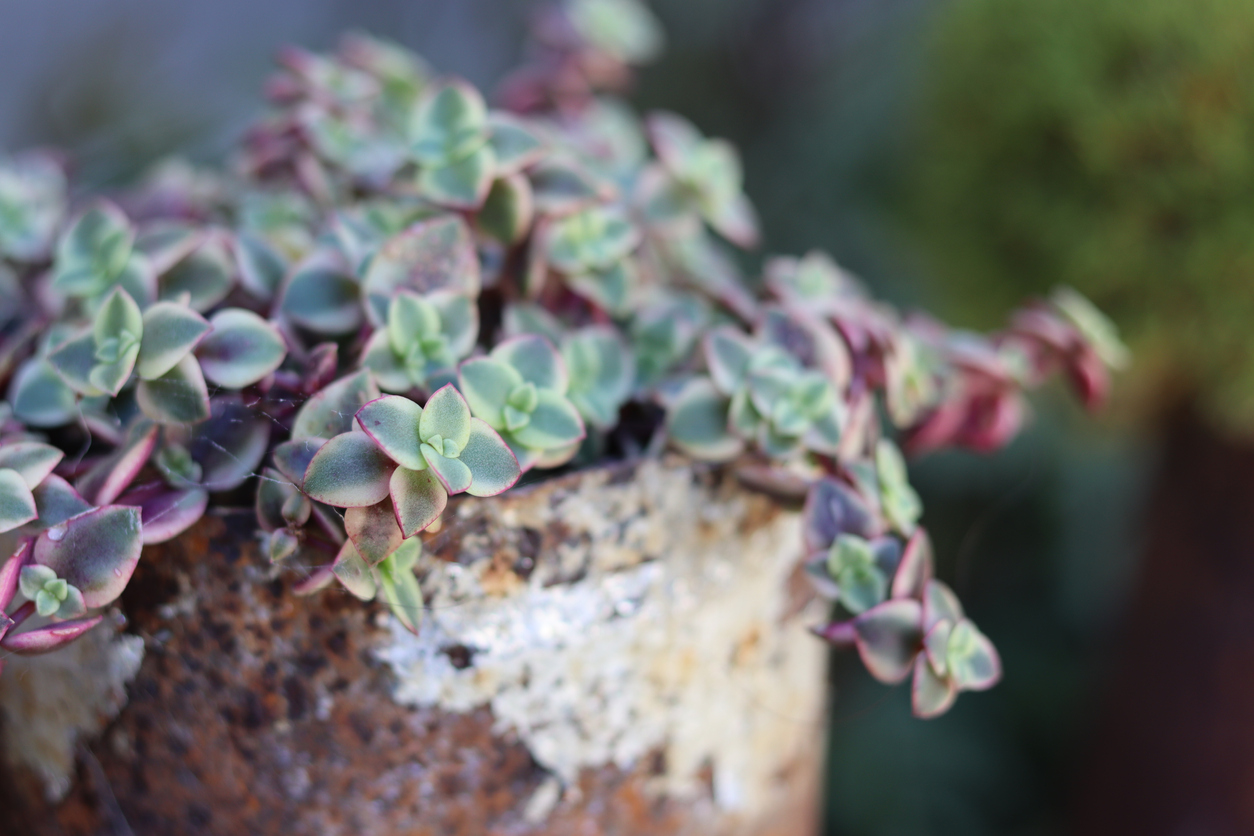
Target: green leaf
<point>449,123</point>
<point>554,423</point>
<point>373,529</point>
<point>40,397</point>
<point>392,422</point>
<point>460,184</point>
<point>17,505</point>
<point>591,239</point>
<point>560,186</point>
<point>95,552</point>
<point>93,251</point>
<point>452,473</point>
<point>33,460</point>
<point>536,360</point>
<point>459,321</point>
<point>349,471</point>
<point>418,498</point>
<point>179,396</point>
<point>74,359</point>
<point>354,573</point>
<point>331,411</point>
<point>261,268</point>
<point>206,276</point>
<point>411,319</point>
<point>446,415</point>
<point>402,593</point>
<point>973,661</point>
<point>493,467</point>
<point>486,384</point>
<point>508,210</point>
<point>697,423</point>
<point>624,29</point>
<point>514,143</point>
<point>241,350</point>
<point>389,371</point>
<point>322,297</point>
<point>170,332</point>
<point>728,353</point>
<point>57,501</point>
<point>33,579</point>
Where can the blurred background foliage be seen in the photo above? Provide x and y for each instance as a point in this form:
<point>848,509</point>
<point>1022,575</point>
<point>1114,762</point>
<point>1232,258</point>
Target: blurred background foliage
<point>959,155</point>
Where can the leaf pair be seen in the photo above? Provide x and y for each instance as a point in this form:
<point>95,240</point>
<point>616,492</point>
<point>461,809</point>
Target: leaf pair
<point>391,579</point>
<point>590,247</point>
<point>97,253</point>
<point>707,174</point>
<point>424,337</point>
<point>409,458</point>
<point>519,390</point>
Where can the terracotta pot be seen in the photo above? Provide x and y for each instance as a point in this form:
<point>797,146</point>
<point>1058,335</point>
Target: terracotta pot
<point>616,651</point>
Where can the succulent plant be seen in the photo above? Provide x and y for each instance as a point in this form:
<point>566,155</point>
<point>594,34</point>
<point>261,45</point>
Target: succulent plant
<point>404,296</point>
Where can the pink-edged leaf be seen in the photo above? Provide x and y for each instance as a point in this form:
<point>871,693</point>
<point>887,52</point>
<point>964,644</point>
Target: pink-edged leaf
<point>292,458</point>
<point>46,639</point>
<point>974,663</point>
<point>319,580</point>
<point>915,568</point>
<point>888,637</point>
<point>452,473</point>
<point>930,695</point>
<point>107,479</point>
<point>57,501</point>
<point>939,601</point>
<point>435,254</point>
<point>353,572</point>
<point>11,570</point>
<point>33,460</point>
<point>96,551</point>
<point>418,498</point>
<point>373,530</point>
<point>392,421</point>
<point>839,633</point>
<point>349,471</point>
<point>493,466</point>
<point>936,645</point>
<point>17,505</point>
<point>331,411</point>
<point>164,512</point>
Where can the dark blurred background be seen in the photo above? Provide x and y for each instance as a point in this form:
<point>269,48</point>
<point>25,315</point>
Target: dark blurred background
<point>959,155</point>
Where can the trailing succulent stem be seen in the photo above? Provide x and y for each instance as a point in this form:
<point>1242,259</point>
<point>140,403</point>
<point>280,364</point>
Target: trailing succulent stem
<point>406,294</point>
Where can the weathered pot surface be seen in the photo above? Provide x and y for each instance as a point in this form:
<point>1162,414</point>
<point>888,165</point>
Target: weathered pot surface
<point>621,650</point>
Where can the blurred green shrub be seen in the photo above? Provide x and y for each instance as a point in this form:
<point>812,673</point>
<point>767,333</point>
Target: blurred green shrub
<point>1107,145</point>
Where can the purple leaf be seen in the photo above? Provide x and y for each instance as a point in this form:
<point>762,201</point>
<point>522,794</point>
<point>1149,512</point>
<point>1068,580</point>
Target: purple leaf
<point>833,508</point>
<point>95,551</point>
<point>11,570</point>
<point>230,445</point>
<point>165,513</point>
<point>292,458</point>
<point>888,638</point>
<point>45,639</point>
<point>373,530</point>
<point>106,481</point>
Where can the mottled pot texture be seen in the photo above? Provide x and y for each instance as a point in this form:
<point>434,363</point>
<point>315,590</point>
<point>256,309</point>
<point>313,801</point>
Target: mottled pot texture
<point>621,651</point>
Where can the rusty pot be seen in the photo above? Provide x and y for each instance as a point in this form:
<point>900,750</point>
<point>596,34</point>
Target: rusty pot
<point>622,650</point>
